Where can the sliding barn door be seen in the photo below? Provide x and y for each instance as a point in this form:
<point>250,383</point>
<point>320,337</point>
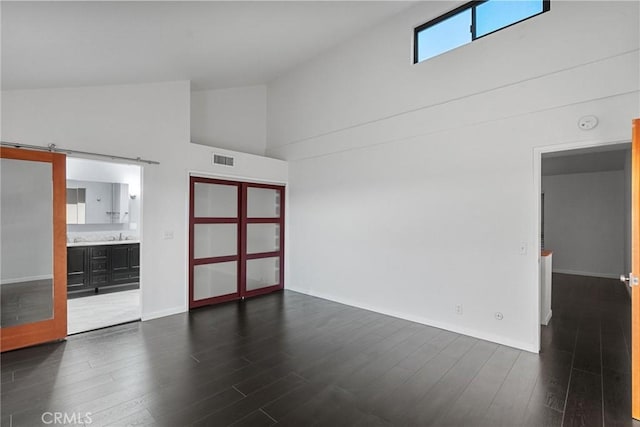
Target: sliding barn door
<point>33,251</point>
<point>635,270</point>
<point>236,240</point>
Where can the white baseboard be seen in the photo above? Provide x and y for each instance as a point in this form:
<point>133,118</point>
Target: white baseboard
<point>426,321</point>
<point>546,319</point>
<point>163,313</point>
<point>25,279</point>
<point>587,273</point>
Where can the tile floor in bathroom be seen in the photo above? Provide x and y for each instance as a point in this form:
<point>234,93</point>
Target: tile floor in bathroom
<point>98,311</point>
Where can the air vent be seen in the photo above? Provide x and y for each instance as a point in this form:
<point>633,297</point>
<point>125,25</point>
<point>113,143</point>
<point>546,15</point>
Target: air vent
<point>219,159</point>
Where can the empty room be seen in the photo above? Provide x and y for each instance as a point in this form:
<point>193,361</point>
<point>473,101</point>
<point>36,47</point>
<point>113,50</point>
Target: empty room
<point>341,213</point>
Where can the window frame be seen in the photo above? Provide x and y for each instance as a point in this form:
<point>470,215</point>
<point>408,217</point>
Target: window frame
<point>546,6</point>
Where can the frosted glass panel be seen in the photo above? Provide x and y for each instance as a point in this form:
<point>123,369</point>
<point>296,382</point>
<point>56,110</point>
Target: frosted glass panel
<point>263,238</point>
<point>215,200</point>
<point>212,280</point>
<point>26,242</point>
<point>263,272</point>
<point>263,203</point>
<point>212,240</point>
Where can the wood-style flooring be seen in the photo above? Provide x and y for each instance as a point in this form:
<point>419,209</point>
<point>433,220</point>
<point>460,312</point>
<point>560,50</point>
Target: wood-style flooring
<point>294,360</point>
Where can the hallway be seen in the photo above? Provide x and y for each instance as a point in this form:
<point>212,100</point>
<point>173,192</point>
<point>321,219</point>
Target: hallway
<point>587,350</point>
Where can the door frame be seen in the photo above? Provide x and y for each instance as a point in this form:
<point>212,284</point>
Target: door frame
<point>53,329</point>
<point>537,190</point>
<point>635,268</point>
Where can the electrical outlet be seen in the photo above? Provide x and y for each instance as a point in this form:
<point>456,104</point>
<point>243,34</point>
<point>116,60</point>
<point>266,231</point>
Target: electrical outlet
<point>459,309</point>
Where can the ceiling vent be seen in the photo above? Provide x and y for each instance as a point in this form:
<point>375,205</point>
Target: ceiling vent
<point>219,159</point>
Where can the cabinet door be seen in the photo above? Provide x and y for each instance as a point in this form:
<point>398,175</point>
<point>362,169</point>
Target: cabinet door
<point>76,268</point>
<point>119,258</point>
<point>99,266</point>
<point>119,264</point>
<point>134,256</point>
<point>134,262</point>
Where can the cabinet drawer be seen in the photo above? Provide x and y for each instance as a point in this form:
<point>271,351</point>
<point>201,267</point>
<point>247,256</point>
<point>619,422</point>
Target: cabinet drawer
<point>98,265</point>
<point>99,252</point>
<point>77,287</point>
<point>99,279</point>
<point>75,279</point>
<point>117,277</point>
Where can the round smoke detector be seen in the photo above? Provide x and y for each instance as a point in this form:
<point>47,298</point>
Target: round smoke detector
<point>588,122</point>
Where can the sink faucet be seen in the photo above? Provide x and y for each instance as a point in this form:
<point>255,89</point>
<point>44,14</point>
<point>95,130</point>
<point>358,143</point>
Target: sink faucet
<point>120,236</point>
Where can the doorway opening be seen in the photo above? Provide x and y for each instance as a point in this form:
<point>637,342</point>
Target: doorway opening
<point>103,244</point>
<point>585,311</point>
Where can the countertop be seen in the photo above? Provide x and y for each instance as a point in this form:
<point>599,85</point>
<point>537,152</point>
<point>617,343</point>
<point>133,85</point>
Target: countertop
<point>102,242</point>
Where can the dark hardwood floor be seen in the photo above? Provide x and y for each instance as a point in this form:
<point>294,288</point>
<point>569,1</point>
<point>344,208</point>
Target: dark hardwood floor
<point>294,360</point>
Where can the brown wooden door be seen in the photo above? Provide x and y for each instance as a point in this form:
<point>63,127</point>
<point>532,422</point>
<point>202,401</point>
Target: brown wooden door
<point>34,250</point>
<point>635,269</point>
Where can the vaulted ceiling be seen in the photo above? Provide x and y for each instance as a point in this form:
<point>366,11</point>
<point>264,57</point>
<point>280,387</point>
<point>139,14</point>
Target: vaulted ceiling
<point>215,44</point>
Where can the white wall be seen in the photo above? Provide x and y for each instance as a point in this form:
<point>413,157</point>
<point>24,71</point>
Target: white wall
<point>412,186</point>
<point>150,121</point>
<point>233,118</point>
<point>585,222</point>
<point>247,167</point>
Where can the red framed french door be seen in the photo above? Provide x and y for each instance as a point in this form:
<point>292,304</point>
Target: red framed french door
<point>236,240</point>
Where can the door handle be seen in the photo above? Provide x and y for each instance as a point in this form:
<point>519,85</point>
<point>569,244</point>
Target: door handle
<point>630,280</point>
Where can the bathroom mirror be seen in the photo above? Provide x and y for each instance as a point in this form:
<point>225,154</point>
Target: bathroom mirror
<point>92,202</point>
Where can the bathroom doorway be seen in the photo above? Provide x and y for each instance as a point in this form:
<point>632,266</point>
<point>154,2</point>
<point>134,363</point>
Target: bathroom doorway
<point>103,244</point>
